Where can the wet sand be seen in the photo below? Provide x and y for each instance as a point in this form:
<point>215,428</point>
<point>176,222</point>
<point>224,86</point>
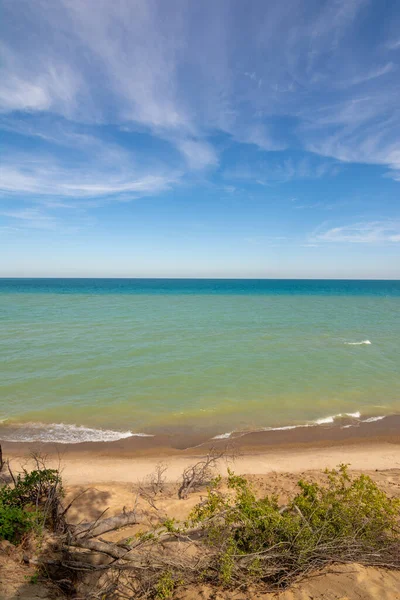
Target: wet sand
<point>374,445</point>
<point>384,430</point>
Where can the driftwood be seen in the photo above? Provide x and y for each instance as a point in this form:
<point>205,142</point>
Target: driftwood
<point>110,549</point>
<point>96,528</point>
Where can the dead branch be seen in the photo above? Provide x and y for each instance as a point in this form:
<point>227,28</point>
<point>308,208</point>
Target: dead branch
<point>101,547</point>
<point>65,510</point>
<point>152,486</point>
<point>158,478</point>
<point>200,474</point>
<point>96,528</point>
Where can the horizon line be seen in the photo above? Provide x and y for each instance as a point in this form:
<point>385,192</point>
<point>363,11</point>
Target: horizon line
<point>130,278</point>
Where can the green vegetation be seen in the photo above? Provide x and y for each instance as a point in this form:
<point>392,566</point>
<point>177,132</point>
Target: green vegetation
<point>29,502</point>
<point>231,539</point>
<point>165,586</point>
<point>257,540</point>
<point>15,522</point>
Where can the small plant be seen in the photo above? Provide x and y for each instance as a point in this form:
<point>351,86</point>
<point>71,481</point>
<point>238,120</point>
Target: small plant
<point>165,586</point>
<point>32,500</point>
<point>33,579</point>
<point>170,526</point>
<point>15,522</point>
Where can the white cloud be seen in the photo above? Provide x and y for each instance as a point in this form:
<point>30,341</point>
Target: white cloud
<point>278,170</point>
<point>78,164</point>
<point>373,74</point>
<point>49,179</point>
<point>31,217</point>
<point>48,219</point>
<point>50,85</point>
<point>374,232</point>
<point>198,154</point>
<point>394,45</point>
<point>184,71</point>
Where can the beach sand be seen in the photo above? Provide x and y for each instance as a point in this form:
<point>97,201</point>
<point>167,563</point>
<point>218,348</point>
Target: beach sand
<point>272,461</point>
<point>374,445</point>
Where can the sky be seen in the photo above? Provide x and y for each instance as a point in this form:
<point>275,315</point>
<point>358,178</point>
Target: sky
<point>180,138</point>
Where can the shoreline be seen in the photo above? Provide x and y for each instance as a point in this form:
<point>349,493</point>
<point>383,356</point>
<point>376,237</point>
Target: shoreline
<point>367,447</point>
<point>344,430</point>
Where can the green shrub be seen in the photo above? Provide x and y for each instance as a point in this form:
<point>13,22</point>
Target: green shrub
<point>28,503</point>
<point>15,522</point>
<point>345,519</point>
<point>32,487</point>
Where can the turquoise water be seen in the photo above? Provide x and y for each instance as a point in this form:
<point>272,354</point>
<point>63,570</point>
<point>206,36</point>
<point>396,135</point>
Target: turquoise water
<point>97,359</point>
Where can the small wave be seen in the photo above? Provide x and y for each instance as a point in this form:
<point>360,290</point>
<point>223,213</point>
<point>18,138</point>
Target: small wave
<point>366,342</point>
<point>322,421</point>
<point>223,436</point>
<point>284,428</point>
<point>62,433</point>
<point>373,419</point>
<point>333,418</point>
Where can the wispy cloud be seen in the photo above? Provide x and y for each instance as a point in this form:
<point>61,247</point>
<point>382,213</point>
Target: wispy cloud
<point>281,170</point>
<point>48,179</point>
<point>43,219</point>
<point>373,74</point>
<point>375,232</point>
<point>78,164</point>
<point>184,71</point>
<point>293,75</point>
<point>34,218</point>
<point>198,154</point>
<point>394,44</point>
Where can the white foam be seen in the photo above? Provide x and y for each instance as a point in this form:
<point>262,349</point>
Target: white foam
<point>63,434</point>
<point>373,419</point>
<point>284,428</point>
<point>366,342</point>
<point>325,420</point>
<point>355,415</point>
<point>223,436</point>
<point>332,418</point>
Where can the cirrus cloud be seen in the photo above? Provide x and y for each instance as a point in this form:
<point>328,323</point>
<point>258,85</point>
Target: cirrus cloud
<point>374,232</point>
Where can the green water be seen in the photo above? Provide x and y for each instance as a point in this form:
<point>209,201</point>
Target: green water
<point>150,361</point>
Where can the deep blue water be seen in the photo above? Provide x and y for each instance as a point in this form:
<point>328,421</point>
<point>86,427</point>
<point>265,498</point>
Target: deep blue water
<point>334,287</point>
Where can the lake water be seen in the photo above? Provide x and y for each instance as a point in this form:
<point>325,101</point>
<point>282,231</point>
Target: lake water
<point>92,359</point>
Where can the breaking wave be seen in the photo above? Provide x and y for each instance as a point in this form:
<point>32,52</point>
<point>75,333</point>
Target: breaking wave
<point>62,433</point>
<point>356,417</point>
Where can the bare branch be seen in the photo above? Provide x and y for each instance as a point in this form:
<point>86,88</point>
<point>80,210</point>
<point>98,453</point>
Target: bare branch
<point>96,528</point>
<point>201,473</point>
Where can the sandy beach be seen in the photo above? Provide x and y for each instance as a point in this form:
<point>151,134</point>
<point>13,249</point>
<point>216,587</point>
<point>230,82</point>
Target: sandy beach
<point>110,474</point>
<point>374,445</point>
<point>93,467</point>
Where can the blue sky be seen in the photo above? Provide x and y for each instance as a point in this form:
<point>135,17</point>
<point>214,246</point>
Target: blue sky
<point>186,138</point>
